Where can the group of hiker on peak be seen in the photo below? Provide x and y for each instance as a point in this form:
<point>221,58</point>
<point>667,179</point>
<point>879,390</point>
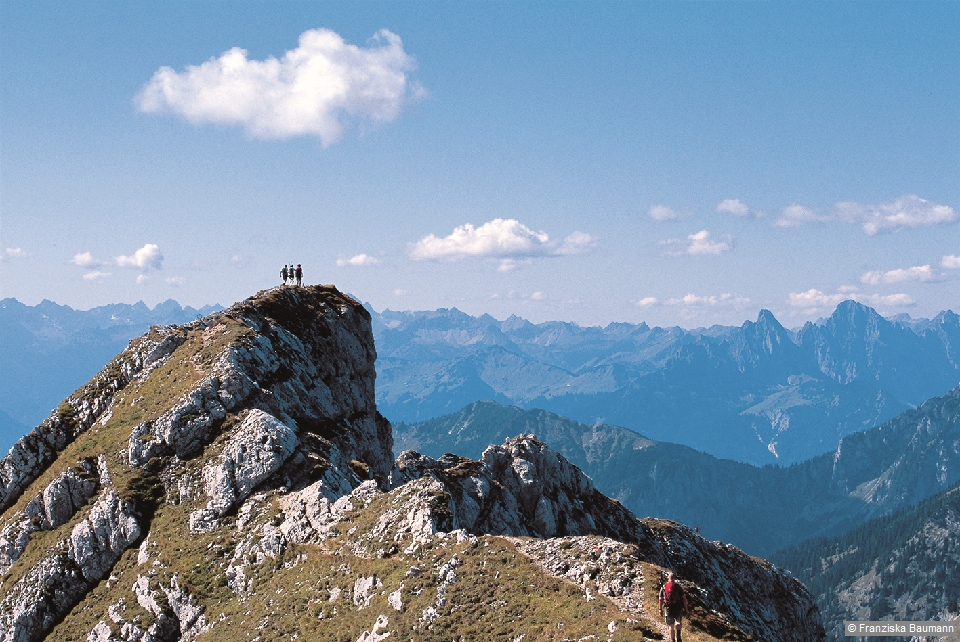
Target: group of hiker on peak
<point>292,273</point>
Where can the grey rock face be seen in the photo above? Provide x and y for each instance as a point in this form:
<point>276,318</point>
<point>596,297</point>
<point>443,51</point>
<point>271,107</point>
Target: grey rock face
<point>44,594</point>
<point>35,451</point>
<point>52,508</point>
<point>188,425</point>
<point>254,451</point>
<point>520,488</point>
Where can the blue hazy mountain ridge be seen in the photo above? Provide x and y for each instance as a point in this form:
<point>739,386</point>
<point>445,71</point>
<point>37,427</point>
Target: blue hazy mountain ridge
<point>49,350</point>
<point>759,509</point>
<point>757,393</point>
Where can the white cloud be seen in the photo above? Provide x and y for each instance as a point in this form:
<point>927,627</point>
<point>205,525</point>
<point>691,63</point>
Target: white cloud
<point>736,207</point>
<point>813,299</point>
<point>646,302</point>
<point>400,292</point>
<point>662,213</point>
<point>95,276</point>
<point>696,244</point>
<point>506,239</point>
<point>175,280</point>
<point>508,265</point>
<point>907,212</point>
<point>889,300</point>
<point>725,299</point>
<point>921,273</point>
<point>148,256</point>
<point>576,243</point>
<point>13,253</point>
<point>537,296</point>
<point>85,259</point>
<point>142,278</point>
<point>950,262</point>
<point>358,260</point>
<point>796,215</point>
<point>306,92</point>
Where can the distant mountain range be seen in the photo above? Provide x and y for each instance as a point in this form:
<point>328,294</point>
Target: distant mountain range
<point>757,393</point>
<point>871,473</point>
<point>47,351</point>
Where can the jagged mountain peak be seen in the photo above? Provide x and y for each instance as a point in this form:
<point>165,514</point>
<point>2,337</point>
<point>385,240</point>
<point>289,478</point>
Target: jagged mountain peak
<point>231,477</point>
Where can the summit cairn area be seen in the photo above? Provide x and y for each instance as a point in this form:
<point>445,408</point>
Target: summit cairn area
<point>231,479</point>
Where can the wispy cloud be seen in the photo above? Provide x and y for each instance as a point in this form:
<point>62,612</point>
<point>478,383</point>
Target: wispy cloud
<point>950,261</point>
<point>646,302</point>
<point>700,243</point>
<point>95,276</point>
<point>309,91</point>
<point>148,256</point>
<point>736,207</point>
<point>358,261</point>
<point>175,280</point>
<point>726,299</point>
<point>13,253</point>
<point>575,243</point>
<point>907,212</point>
<point>662,213</point>
<point>921,273</point>
<point>814,300</point>
<point>796,215</point>
<point>506,239</point>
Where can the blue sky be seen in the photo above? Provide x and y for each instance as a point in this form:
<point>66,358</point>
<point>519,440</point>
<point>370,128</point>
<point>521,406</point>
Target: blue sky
<point>678,163</point>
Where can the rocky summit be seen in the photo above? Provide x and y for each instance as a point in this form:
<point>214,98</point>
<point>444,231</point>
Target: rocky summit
<point>231,479</point>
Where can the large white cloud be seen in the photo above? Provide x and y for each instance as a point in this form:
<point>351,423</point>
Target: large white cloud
<point>148,256</point>
<point>505,239</point>
<point>907,212</point>
<point>306,92</point>
<point>922,273</point>
<point>700,243</point>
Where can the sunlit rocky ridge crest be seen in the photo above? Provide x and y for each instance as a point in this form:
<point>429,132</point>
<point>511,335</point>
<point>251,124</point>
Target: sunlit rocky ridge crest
<point>231,478</point>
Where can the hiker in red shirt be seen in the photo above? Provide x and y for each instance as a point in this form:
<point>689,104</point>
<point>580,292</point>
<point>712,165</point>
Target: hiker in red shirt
<point>673,605</point>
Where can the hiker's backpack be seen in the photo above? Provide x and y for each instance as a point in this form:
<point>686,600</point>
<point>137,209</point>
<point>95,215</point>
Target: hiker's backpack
<point>672,593</point>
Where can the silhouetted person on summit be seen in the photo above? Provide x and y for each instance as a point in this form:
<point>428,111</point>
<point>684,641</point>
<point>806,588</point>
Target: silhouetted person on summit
<point>299,273</point>
<point>283,274</point>
<point>673,605</point>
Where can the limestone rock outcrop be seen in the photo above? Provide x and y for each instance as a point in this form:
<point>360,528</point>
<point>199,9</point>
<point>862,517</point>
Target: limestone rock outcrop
<point>231,478</point>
